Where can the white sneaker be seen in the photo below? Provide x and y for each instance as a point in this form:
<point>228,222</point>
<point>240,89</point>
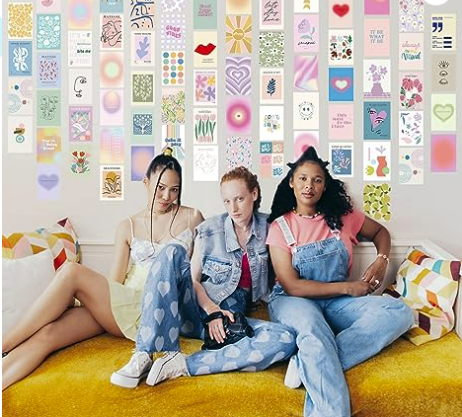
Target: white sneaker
<point>171,365</point>
<point>131,374</point>
<point>292,378</point>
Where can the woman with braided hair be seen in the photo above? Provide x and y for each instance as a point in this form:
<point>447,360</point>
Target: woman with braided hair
<point>112,305</point>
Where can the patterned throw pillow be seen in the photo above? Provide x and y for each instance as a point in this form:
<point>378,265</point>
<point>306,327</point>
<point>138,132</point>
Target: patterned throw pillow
<point>429,286</point>
<point>59,238</point>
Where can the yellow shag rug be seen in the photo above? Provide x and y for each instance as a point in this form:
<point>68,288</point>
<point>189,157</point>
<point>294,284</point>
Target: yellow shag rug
<point>402,381</point>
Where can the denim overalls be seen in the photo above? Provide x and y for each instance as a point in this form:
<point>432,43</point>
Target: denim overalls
<point>337,333</point>
<point>170,306</point>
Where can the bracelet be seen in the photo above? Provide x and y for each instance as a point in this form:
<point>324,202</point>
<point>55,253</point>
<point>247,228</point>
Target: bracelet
<point>381,255</point>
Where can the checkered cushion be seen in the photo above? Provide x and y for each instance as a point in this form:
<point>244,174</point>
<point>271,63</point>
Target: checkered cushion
<point>429,286</point>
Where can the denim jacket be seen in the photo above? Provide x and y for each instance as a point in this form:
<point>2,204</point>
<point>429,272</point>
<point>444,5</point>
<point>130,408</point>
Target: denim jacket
<point>222,256</point>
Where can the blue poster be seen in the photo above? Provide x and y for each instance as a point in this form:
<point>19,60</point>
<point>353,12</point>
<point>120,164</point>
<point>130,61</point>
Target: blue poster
<point>341,84</point>
<point>20,58</point>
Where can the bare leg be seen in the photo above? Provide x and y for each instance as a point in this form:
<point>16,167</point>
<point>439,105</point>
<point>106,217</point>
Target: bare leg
<point>73,280</point>
<point>73,326</point>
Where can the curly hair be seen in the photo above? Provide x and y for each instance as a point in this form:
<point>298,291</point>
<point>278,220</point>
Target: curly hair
<point>333,204</point>
<point>251,180</point>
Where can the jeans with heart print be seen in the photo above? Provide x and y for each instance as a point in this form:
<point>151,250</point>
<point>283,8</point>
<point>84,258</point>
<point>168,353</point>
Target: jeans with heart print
<point>170,309</point>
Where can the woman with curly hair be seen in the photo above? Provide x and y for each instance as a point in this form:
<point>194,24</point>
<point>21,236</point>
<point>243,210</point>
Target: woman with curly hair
<point>313,229</point>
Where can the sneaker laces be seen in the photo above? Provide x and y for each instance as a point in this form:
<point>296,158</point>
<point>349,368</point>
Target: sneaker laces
<point>138,360</point>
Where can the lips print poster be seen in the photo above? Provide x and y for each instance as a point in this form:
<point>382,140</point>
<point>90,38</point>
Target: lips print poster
<point>341,82</point>
<point>205,49</point>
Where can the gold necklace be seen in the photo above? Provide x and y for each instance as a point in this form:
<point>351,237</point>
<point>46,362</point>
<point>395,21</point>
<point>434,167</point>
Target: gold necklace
<point>148,233</point>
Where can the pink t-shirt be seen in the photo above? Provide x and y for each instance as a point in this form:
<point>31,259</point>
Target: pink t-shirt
<point>307,231</point>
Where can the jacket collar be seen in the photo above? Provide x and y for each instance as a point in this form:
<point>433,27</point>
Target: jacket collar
<point>231,241</point>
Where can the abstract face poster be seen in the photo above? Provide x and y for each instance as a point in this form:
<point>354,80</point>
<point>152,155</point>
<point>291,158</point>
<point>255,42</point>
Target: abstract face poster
<point>80,86</point>
<point>377,120</point>
<point>48,108</point>
<point>205,163</point>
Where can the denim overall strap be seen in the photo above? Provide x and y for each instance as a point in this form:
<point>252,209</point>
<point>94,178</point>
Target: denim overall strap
<point>288,235</point>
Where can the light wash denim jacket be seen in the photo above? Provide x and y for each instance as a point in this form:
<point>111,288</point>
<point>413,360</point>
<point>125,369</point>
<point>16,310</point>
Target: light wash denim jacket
<point>222,256</point>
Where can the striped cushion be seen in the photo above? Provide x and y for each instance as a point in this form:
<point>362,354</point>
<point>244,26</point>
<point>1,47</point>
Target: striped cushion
<point>429,286</point>
<point>60,239</point>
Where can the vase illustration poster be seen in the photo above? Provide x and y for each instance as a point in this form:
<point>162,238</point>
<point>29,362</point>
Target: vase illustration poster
<point>377,162</point>
<point>376,78</point>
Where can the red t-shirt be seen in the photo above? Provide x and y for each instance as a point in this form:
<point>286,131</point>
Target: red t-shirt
<point>246,279</point>
<point>307,231</point>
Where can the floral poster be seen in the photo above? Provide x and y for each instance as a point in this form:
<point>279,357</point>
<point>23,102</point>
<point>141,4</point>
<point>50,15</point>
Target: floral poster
<point>411,91</point>
<point>411,128</point>
<point>205,85</point>
<point>377,78</point>
<point>341,47</point>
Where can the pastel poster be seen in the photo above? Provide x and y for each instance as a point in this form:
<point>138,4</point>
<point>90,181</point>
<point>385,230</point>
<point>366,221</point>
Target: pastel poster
<point>411,166</point>
<point>303,140</point>
<point>238,115</point>
<point>377,161</point>
<point>377,120</point>
<point>341,82</point>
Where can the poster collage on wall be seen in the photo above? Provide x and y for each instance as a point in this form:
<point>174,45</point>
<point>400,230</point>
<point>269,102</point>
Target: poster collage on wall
<point>132,35</point>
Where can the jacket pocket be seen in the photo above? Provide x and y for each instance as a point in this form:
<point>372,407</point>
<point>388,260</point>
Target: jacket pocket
<point>217,270</point>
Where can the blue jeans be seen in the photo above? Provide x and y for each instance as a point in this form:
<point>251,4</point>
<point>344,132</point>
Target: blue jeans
<point>333,335</point>
<point>170,308</point>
